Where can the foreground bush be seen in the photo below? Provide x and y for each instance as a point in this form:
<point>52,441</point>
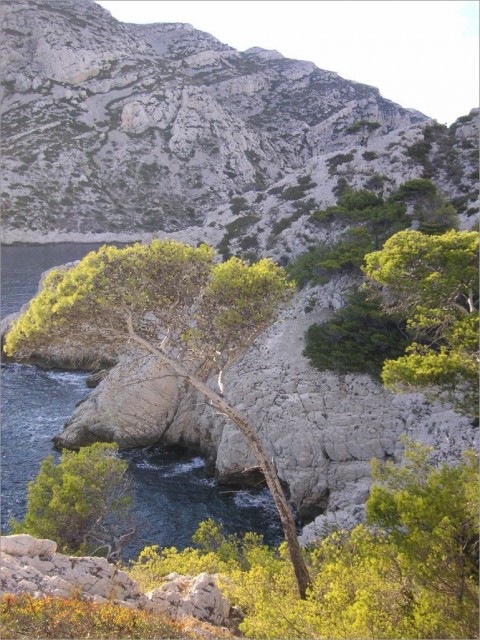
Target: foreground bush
<point>24,616</point>
<point>83,502</point>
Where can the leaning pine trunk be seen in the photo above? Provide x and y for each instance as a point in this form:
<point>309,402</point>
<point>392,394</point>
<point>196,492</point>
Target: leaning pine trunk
<point>285,513</point>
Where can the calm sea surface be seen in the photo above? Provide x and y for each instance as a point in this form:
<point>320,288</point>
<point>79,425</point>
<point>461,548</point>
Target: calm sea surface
<point>172,493</point>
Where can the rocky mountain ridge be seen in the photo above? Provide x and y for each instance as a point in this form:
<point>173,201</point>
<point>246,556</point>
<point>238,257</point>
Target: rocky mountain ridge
<point>136,130</point>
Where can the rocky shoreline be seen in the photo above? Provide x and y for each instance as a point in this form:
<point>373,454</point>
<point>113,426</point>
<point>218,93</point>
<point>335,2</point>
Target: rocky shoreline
<point>321,429</point>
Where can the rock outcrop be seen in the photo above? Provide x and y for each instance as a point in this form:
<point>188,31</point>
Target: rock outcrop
<point>126,130</point>
<point>198,597</point>
<point>30,565</point>
<point>33,566</point>
<point>322,429</point>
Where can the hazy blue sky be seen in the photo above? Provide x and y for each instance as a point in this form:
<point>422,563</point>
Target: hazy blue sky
<point>421,54</point>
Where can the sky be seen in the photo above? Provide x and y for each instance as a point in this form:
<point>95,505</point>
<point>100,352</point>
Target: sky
<point>421,54</point>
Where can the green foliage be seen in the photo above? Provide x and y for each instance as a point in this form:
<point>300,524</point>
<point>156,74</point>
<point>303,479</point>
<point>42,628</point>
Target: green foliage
<point>294,193</point>
<point>235,229</point>
<point>431,515</point>
<point>433,214</point>
<point>163,286</point>
<point>92,296</point>
<point>381,219</point>
<point>375,182</point>
<point>239,301</point>
<point>340,187</point>
<point>299,190</point>
<point>433,280</point>
<point>415,189</point>
<point>363,125</point>
<point>359,338</point>
<point>336,161</point>
<point>436,217</point>
<point>413,575</point>
<point>238,204</point>
<point>419,151</point>
<point>319,263</point>
<point>216,552</point>
<point>82,503</point>
<point>374,220</point>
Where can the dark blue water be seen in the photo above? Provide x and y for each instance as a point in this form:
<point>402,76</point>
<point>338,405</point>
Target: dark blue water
<point>172,493</point>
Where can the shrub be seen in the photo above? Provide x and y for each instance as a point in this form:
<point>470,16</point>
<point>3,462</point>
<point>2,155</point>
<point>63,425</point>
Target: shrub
<point>414,190</point>
<point>298,191</point>
<point>376,221</point>
<point>367,125</point>
<point>238,205</point>
<point>337,160</point>
<point>24,616</point>
<point>359,338</point>
<point>375,182</point>
<point>82,503</point>
<point>419,151</point>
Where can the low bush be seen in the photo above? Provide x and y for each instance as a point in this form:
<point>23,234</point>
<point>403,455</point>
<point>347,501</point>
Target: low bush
<point>24,616</point>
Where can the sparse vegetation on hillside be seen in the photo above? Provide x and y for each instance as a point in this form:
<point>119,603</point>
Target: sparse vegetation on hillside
<point>369,221</point>
<point>434,347</point>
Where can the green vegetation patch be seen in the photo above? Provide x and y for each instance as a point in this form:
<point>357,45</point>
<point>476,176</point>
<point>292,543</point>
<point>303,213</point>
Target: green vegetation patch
<point>363,125</point>
<point>337,160</point>
<point>358,339</point>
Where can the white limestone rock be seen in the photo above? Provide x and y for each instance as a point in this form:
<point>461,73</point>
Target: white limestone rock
<point>185,596</point>
<point>33,566</point>
<point>25,545</point>
<point>133,405</point>
<point>29,565</point>
<point>321,429</point>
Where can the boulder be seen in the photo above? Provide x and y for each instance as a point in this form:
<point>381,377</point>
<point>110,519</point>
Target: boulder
<point>33,566</point>
<point>29,565</point>
<point>133,405</point>
<point>185,596</point>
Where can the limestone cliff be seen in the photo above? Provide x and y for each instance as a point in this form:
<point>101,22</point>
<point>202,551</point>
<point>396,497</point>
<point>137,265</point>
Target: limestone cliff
<point>141,129</point>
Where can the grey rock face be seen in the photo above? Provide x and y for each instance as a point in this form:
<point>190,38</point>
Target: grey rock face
<point>30,565</point>
<point>321,429</point>
<point>133,406</point>
<point>127,128</point>
<point>124,131</point>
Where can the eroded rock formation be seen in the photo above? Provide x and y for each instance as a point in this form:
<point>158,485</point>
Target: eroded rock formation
<point>322,429</point>
<point>30,565</point>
